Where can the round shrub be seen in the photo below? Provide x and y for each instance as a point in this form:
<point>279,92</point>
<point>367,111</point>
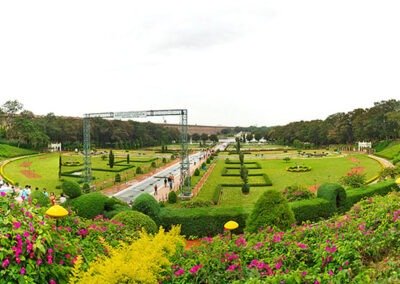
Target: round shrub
<point>116,209</point>
<point>136,221</point>
<point>271,209</point>
<point>332,192</point>
<point>245,188</point>
<point>112,202</point>
<point>196,172</point>
<point>86,187</point>
<point>89,205</point>
<point>40,198</point>
<point>117,178</point>
<point>208,161</point>
<point>153,165</point>
<point>172,197</point>
<point>297,192</point>
<point>146,204</point>
<point>71,189</point>
<point>139,171</point>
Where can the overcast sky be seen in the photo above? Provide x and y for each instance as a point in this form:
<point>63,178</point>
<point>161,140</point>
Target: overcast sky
<point>228,62</point>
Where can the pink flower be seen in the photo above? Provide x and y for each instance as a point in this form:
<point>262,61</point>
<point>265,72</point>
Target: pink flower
<point>316,282</point>
<point>258,245</point>
<point>331,249</point>
<point>16,225</point>
<point>302,246</point>
<point>195,268</point>
<point>277,237</point>
<point>241,242</point>
<point>5,263</point>
<point>52,281</point>
<point>26,234</point>
<point>39,261</point>
<point>278,265</point>
<point>361,227</point>
<point>396,215</point>
<point>231,256</point>
<point>304,273</point>
<point>330,272</point>
<point>22,271</point>
<point>232,267</point>
<point>207,239</point>
<point>179,272</point>
<point>3,194</point>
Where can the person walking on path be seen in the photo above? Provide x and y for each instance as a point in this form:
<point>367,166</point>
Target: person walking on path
<point>165,182</point>
<point>155,189</point>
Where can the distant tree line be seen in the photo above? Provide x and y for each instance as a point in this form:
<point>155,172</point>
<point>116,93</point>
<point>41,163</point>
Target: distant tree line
<point>22,128</point>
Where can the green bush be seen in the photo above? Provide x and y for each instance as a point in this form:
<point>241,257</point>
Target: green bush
<point>297,192</point>
<point>332,192</point>
<point>201,222</point>
<point>153,165</point>
<point>216,194</point>
<point>245,188</point>
<point>116,209</point>
<point>381,188</point>
<point>112,202</point>
<point>208,161</point>
<point>135,221</point>
<point>172,197</point>
<point>196,204</point>
<point>312,209</point>
<point>71,189</point>
<point>353,179</point>
<point>139,171</point>
<point>40,198</point>
<point>117,178</point>
<point>196,172</point>
<point>89,205</point>
<point>271,209</point>
<point>85,187</point>
<point>146,204</point>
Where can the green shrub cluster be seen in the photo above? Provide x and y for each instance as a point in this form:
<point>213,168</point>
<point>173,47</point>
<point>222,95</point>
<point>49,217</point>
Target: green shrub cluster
<point>216,195</point>
<point>135,221</point>
<point>71,189</point>
<point>201,222</point>
<point>146,204</point>
<point>196,204</point>
<point>196,172</point>
<point>297,192</point>
<point>332,192</point>
<point>139,171</point>
<point>40,198</point>
<point>172,197</point>
<point>89,205</point>
<point>312,209</point>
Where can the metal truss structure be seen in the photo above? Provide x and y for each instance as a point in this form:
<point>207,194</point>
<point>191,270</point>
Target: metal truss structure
<point>184,155</point>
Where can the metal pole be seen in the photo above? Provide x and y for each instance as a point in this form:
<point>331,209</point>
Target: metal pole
<point>185,164</point>
<point>86,151</point>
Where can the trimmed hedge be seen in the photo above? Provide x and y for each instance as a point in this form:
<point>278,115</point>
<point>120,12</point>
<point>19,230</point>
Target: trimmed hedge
<point>146,204</point>
<point>135,221</point>
<point>267,182</point>
<point>312,209</point>
<point>356,194</point>
<point>202,222</point>
<point>71,189</point>
<point>216,195</point>
<point>40,198</point>
<point>332,192</point>
<point>89,205</point>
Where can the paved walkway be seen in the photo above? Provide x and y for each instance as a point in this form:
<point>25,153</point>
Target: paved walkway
<point>385,163</point>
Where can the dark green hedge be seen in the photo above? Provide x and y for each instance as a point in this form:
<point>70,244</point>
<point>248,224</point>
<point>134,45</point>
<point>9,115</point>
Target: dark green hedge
<point>216,195</point>
<point>356,194</point>
<point>267,182</point>
<point>202,222</point>
<point>332,192</point>
<point>312,209</point>
<point>89,205</point>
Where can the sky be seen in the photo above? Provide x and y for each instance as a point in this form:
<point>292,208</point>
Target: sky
<point>228,62</point>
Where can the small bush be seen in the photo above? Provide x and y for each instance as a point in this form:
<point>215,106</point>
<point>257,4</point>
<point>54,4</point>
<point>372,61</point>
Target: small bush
<point>85,187</point>
<point>40,198</point>
<point>353,180</point>
<point>172,197</point>
<point>112,202</point>
<point>271,209</point>
<point>332,192</point>
<point>297,192</point>
<point>208,161</point>
<point>245,188</point>
<point>117,178</point>
<point>139,171</point>
<point>89,205</point>
<point>71,189</point>
<point>153,164</point>
<point>146,204</point>
<point>196,172</point>
<point>135,221</point>
<point>164,160</point>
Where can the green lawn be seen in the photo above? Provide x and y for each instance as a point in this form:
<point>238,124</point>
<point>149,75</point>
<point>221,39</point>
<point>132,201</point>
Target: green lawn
<point>7,151</point>
<point>391,151</point>
<point>329,169</point>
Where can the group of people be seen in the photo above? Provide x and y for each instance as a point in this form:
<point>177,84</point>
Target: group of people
<point>22,194</point>
<point>168,181</point>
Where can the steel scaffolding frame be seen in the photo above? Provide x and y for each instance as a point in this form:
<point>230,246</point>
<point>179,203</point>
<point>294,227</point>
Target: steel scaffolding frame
<point>184,154</point>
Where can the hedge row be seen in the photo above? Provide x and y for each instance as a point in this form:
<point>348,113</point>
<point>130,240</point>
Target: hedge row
<point>225,173</point>
<point>312,209</point>
<point>267,182</point>
<point>202,222</point>
<point>216,195</point>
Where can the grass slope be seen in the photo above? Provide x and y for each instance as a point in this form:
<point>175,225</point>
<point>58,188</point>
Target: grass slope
<point>7,151</point>
<point>390,151</point>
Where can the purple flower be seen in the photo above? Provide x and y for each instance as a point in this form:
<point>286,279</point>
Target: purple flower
<point>195,268</point>
<point>22,271</point>
<point>52,281</point>
<point>179,272</point>
<point>5,263</point>
<point>3,194</point>
<point>331,249</point>
<point>16,225</point>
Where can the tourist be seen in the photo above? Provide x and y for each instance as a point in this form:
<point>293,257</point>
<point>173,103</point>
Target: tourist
<point>155,189</point>
<point>52,198</point>
<point>45,192</point>
<point>63,199</point>
<point>165,182</point>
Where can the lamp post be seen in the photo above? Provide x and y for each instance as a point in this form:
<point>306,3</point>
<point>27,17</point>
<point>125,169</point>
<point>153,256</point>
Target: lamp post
<point>231,225</point>
<point>56,212</point>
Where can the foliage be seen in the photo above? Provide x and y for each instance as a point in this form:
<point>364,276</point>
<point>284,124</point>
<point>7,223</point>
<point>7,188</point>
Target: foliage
<point>360,247</point>
<point>71,189</point>
<point>85,187</point>
<point>8,151</point>
<point>40,198</point>
<point>312,209</point>
<point>146,204</point>
<point>196,204</point>
<point>245,188</point>
<point>111,159</point>
<point>135,221</point>
<point>172,197</point>
<point>297,192</point>
<point>389,172</point>
<point>139,171</point>
<point>200,222</point>
<point>332,192</point>
<point>196,172</point>
<point>208,160</point>
<point>299,169</point>
<point>353,179</point>
<point>89,205</point>
<point>271,209</point>
<point>142,261</point>
<point>117,178</point>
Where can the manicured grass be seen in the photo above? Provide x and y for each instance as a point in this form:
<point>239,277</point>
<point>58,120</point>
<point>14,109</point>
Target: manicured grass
<point>391,151</point>
<point>8,151</point>
<point>329,169</point>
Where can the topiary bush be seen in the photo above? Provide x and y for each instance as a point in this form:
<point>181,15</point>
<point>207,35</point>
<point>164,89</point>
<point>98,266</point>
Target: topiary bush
<point>117,178</point>
<point>245,188</point>
<point>332,192</point>
<point>146,204</point>
<point>40,198</point>
<point>271,209</point>
<point>89,205</point>
<point>312,209</point>
<point>196,172</point>
<point>85,187</point>
<point>71,189</point>
<point>135,221</point>
<point>139,171</point>
<point>172,197</point>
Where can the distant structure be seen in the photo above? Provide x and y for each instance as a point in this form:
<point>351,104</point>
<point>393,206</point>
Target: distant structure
<point>364,146</point>
<point>54,147</point>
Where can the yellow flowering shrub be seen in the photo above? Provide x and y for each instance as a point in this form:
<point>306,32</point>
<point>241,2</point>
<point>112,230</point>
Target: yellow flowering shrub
<point>139,262</point>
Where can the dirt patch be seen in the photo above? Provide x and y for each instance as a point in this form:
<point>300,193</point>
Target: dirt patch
<point>25,164</point>
<point>356,170</point>
<point>30,174</point>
